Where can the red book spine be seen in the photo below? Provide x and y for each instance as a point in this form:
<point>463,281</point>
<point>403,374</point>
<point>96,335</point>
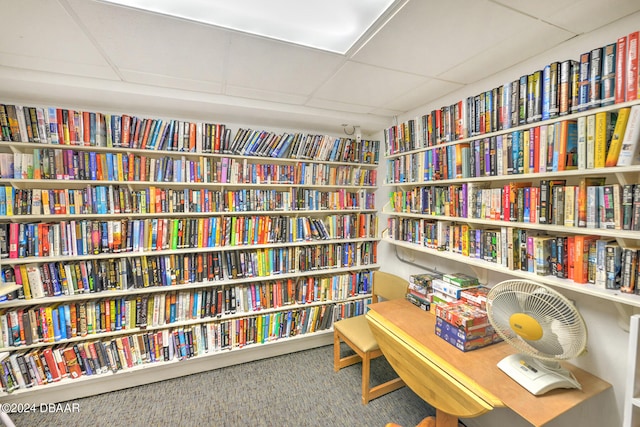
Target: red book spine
<point>632,66</point>
<point>86,128</point>
<point>51,364</point>
<point>14,231</point>
<point>61,138</point>
<point>125,130</point>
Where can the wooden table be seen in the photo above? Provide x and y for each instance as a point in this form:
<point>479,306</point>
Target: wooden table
<point>463,384</point>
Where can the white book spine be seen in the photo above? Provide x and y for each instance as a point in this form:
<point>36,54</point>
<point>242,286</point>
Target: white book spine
<point>629,152</point>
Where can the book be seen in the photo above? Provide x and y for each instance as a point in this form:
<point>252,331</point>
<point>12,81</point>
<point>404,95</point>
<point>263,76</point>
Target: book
<point>629,154</point>
<point>594,97</point>
<point>583,83</point>
<point>609,72</point>
<point>633,48</point>
<point>605,123</point>
<point>581,143</point>
<point>615,145</point>
<point>584,200</point>
<point>621,70</point>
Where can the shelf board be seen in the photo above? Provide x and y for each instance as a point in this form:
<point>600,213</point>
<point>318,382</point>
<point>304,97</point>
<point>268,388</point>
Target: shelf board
<point>587,289</point>
<point>7,288</point>
<point>633,169</point>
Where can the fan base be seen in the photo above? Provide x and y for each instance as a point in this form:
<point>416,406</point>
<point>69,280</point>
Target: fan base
<point>535,376</point>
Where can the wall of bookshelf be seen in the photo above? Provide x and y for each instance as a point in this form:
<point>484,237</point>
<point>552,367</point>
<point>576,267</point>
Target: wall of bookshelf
<point>458,177</point>
<point>129,259</point>
<point>460,209</point>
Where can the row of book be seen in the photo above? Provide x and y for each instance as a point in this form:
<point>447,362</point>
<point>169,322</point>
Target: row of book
<point>602,76</point>
<point>580,258</point>
<point>250,142</point>
<point>68,164</point>
<point>114,199</point>
<point>39,367</point>
<point>52,279</point>
<point>590,204</point>
<point>88,237</point>
<point>604,139</point>
<point>73,127</point>
<point>59,322</point>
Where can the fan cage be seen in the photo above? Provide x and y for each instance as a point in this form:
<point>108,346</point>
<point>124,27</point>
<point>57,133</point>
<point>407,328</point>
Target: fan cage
<point>565,332</point>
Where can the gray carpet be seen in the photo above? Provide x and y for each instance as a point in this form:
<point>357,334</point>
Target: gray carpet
<point>298,389</point>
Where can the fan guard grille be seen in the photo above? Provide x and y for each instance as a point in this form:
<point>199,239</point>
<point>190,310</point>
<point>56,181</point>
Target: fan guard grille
<point>564,330</point>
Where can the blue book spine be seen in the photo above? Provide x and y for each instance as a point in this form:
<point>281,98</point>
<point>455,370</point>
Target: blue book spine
<point>53,125</point>
<point>517,154</point>
<point>63,313</point>
<point>55,318</point>
<point>93,165</point>
<point>546,92</point>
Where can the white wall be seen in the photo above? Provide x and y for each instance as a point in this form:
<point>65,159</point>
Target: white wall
<point>607,348</point>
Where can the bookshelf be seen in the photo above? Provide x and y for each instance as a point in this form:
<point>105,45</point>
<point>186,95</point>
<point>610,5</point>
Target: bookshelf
<point>415,220</point>
<point>473,182</point>
<point>124,265</point>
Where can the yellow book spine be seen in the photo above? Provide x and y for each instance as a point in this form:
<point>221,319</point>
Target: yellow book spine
<point>200,232</point>
<point>25,282</point>
<point>616,139</point>
<point>48,312</point>
<point>600,148</point>
<point>120,167</point>
<point>112,313</point>
<point>10,199</point>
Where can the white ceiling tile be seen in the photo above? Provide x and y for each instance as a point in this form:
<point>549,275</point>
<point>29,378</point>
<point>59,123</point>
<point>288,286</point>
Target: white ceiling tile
<point>386,112</point>
<point>429,37</point>
<point>153,43</point>
<point>531,40</point>
<point>264,95</point>
<point>57,65</point>
<point>338,106</point>
<point>578,16</point>
<point>41,35</point>
<point>260,63</point>
<point>423,94</point>
<point>169,81</point>
<point>367,85</point>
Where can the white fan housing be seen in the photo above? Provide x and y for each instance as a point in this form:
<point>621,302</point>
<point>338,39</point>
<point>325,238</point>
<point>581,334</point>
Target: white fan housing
<point>543,326</point>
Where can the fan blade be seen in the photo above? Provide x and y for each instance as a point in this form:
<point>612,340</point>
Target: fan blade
<point>548,344</point>
<point>503,307</point>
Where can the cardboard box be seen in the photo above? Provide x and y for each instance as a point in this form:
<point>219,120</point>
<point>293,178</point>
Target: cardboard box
<point>475,296</point>
<point>419,302</point>
<point>462,314</point>
<point>423,279</point>
<point>446,288</point>
<point>466,345</point>
<point>462,334</point>
<point>460,279</point>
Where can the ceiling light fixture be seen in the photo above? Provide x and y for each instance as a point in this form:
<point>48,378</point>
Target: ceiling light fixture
<point>331,25</point>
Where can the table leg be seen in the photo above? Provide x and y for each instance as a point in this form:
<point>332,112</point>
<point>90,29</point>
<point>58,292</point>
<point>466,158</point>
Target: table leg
<point>444,419</point>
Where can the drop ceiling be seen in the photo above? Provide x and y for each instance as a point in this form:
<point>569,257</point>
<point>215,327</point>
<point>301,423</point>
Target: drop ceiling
<point>95,55</point>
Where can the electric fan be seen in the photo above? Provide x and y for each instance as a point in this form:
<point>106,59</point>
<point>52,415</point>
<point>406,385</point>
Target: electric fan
<point>543,326</point>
